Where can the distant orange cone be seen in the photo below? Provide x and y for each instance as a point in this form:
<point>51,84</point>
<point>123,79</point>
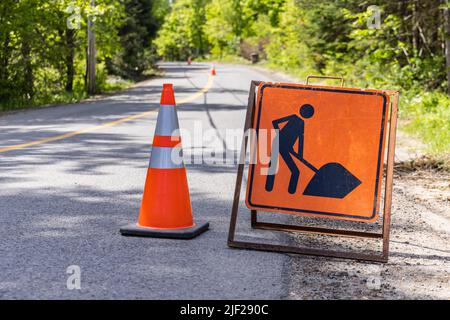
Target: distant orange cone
<point>166,206</point>
<point>213,70</point>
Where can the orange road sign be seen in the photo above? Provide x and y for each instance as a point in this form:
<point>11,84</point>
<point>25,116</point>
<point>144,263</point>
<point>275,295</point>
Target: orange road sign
<point>324,154</point>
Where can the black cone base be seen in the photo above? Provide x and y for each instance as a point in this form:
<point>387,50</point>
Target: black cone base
<point>187,233</point>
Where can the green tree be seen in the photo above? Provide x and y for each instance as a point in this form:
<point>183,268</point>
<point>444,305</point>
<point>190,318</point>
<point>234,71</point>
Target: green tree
<point>219,27</point>
<point>141,22</point>
<point>182,33</point>
<point>42,54</point>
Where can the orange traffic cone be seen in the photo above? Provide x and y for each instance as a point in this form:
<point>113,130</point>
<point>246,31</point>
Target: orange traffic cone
<point>166,206</point>
<point>213,70</point>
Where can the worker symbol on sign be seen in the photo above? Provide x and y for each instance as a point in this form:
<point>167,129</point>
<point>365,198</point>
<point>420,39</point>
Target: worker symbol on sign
<point>332,180</point>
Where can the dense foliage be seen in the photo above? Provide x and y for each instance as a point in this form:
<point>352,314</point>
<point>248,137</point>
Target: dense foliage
<point>43,46</point>
<point>328,36</point>
<point>405,50</point>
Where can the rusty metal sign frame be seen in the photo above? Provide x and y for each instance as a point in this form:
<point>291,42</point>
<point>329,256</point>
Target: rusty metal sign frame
<point>384,234</point>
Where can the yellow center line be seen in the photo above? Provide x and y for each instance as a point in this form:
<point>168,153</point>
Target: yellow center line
<point>107,124</point>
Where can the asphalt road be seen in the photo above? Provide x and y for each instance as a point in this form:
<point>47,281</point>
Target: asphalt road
<point>72,175</point>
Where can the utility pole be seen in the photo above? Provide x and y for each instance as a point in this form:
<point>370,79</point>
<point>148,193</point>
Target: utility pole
<point>91,55</point>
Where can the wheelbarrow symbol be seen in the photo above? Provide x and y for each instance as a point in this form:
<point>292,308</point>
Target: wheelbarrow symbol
<point>332,180</point>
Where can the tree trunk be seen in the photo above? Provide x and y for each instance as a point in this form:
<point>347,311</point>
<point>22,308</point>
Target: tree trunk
<point>447,45</point>
<point>70,70</point>
<point>91,56</point>
<point>415,30</point>
<point>4,57</point>
<point>28,69</point>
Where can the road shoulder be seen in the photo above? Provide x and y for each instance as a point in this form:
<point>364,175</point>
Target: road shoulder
<point>419,265</point>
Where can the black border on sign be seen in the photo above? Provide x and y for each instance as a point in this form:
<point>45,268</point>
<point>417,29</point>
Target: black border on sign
<point>380,151</point>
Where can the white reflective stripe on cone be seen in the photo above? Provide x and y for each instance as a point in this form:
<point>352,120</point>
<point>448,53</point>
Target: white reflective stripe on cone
<point>167,121</point>
<point>166,158</point>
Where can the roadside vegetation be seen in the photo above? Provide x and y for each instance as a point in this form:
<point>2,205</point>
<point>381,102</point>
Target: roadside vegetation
<point>43,48</point>
<point>404,49</point>
<point>381,44</point>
